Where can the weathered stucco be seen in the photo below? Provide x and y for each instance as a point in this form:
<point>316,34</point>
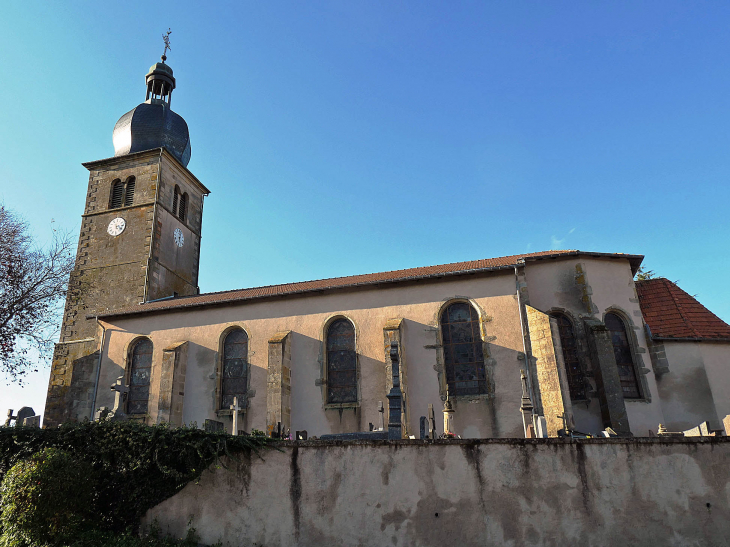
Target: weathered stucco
<point>466,493</point>
<point>584,290</point>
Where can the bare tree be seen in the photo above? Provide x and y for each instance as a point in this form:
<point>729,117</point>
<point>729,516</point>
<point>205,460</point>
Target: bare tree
<point>33,286</point>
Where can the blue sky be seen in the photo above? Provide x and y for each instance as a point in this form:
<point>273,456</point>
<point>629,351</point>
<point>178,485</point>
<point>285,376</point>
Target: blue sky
<point>352,137</point>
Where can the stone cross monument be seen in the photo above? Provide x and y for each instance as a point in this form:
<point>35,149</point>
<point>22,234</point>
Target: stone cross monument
<point>395,398</point>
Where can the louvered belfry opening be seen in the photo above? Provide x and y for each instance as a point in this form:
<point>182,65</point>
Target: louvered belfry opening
<point>183,207</point>
<point>129,192</point>
<point>175,199</point>
<point>117,195</point>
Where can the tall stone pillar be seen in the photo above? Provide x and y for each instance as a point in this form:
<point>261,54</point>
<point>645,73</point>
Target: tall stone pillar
<point>608,382</point>
<point>278,382</point>
<point>552,378</point>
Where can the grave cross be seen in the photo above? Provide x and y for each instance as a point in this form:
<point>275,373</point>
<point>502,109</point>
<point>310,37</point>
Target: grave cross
<point>381,409</point>
<point>431,422</point>
<point>10,417</point>
<point>120,396</point>
<point>235,409</point>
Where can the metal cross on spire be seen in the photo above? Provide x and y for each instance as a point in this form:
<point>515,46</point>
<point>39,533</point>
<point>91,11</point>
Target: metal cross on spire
<point>166,39</point>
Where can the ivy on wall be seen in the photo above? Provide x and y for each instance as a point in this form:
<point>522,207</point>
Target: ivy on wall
<point>132,467</point>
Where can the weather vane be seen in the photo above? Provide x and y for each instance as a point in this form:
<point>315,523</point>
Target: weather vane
<point>166,39</point>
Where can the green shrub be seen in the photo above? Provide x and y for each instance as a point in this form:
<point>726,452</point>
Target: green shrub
<point>135,466</point>
<point>46,499</point>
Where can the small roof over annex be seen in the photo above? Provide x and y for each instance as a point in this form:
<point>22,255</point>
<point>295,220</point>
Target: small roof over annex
<point>355,281</point>
<point>672,314</point>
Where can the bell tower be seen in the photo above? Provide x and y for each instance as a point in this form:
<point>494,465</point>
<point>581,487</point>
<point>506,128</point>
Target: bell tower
<point>139,241</point>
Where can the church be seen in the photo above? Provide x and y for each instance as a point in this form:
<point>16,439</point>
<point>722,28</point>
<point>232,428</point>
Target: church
<point>520,346</point>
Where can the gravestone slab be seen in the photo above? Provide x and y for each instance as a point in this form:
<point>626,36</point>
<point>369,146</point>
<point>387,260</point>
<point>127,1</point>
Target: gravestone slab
<point>726,423</point>
<point>32,421</point>
<point>213,426</point>
<point>23,413</point>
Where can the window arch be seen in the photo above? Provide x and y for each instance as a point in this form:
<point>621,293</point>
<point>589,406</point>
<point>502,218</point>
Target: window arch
<point>341,362</point>
<point>624,356</point>
<point>234,370</point>
<point>116,198</point>
<point>139,377</point>
<point>576,376</point>
<point>463,350</point>
<point>129,192</point>
<point>122,193</point>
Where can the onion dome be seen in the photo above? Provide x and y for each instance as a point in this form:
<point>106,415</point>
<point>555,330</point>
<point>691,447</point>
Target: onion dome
<point>153,124</point>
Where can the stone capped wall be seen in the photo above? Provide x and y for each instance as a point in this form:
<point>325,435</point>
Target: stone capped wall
<point>642,491</point>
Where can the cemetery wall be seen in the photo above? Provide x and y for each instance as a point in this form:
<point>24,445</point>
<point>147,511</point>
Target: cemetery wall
<point>640,491</point>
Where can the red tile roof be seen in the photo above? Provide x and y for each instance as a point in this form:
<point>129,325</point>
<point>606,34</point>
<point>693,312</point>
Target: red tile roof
<point>286,289</point>
<point>672,313</point>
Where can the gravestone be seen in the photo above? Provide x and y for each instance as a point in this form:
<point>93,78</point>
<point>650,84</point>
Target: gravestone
<point>702,430</point>
<point>23,413</point>
<point>726,423</point>
<point>213,426</point>
<point>423,423</point>
<point>32,421</point>
<point>102,413</point>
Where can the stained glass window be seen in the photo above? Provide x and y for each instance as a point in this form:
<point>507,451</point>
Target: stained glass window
<point>234,381</point>
<point>139,377</point>
<point>624,357</point>
<point>576,377</point>
<point>463,353</point>
<point>341,362</point>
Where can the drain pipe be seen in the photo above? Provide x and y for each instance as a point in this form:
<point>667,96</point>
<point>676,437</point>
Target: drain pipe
<point>98,369</point>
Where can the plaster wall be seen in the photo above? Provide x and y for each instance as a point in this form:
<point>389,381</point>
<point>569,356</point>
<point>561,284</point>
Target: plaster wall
<point>467,493</point>
<point>305,317</point>
<point>685,392</point>
<point>716,358</point>
<point>552,286</point>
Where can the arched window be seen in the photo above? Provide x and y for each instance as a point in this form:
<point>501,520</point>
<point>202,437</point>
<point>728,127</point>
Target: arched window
<point>139,377</point>
<point>117,195</point>
<point>341,362</point>
<point>624,356</point>
<point>129,192</point>
<point>183,207</point>
<point>175,199</point>
<point>463,352</point>
<point>576,376</point>
<point>234,377</point>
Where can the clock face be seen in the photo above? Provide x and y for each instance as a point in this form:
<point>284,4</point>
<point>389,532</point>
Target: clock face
<point>179,237</point>
<point>116,226</point>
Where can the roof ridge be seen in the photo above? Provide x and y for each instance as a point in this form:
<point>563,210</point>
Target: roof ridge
<point>521,255</point>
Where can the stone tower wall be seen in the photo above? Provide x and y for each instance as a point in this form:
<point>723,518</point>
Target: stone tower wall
<point>140,264</point>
